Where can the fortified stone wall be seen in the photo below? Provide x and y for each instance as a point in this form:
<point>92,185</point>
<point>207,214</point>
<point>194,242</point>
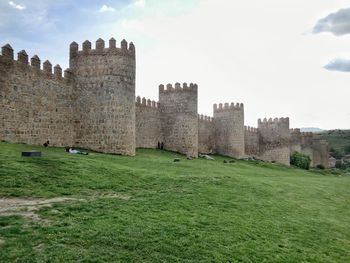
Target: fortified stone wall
<point>35,104</point>
<point>320,152</point>
<point>148,125</point>
<point>251,137</point>
<point>229,129</point>
<point>178,107</point>
<point>93,106</point>
<point>295,141</point>
<point>274,140</point>
<point>206,133</point>
<point>105,96</point>
<point>314,147</point>
<point>306,143</point>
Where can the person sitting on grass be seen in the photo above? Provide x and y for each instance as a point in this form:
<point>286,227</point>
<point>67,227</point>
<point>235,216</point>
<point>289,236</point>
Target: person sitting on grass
<point>72,151</point>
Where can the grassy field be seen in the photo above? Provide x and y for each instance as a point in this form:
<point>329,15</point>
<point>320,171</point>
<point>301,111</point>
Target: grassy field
<point>151,209</point>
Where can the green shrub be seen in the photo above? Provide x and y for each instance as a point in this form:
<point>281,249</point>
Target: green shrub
<point>339,164</point>
<point>335,154</point>
<point>300,160</point>
<point>347,149</point>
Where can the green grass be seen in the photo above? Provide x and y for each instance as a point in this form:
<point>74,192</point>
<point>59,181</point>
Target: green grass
<point>190,211</point>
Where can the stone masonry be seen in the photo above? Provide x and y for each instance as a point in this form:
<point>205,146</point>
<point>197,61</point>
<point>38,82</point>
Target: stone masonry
<point>93,106</point>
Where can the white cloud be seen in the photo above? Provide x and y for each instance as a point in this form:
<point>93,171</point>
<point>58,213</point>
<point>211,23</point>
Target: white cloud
<point>14,5</point>
<point>140,3</point>
<point>106,8</point>
<point>337,23</point>
<point>338,64</point>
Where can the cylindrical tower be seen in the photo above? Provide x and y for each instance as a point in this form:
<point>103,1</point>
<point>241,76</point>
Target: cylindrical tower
<point>179,118</point>
<point>274,140</point>
<point>229,129</point>
<point>104,80</point>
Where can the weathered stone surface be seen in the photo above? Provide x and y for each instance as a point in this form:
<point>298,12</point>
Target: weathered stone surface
<point>251,137</point>
<point>274,140</point>
<point>93,106</point>
<point>34,107</point>
<point>229,130</point>
<point>179,119</point>
<point>148,124</point>
<point>206,134</point>
<point>104,98</point>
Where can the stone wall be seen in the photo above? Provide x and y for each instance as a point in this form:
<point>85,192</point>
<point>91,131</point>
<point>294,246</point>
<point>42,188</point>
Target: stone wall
<point>35,104</point>
<point>148,125</point>
<point>206,143</point>
<point>251,138</point>
<point>295,141</point>
<point>320,152</point>
<point>274,140</point>
<point>105,96</point>
<point>314,147</point>
<point>178,107</point>
<point>229,129</point>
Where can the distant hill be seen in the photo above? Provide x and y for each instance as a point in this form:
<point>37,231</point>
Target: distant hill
<point>311,129</point>
<point>339,140</point>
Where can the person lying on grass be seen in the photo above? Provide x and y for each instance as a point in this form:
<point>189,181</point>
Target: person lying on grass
<point>72,151</point>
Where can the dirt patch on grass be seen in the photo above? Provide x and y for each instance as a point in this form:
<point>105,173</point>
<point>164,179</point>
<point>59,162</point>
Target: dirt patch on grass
<point>114,196</point>
<point>28,207</point>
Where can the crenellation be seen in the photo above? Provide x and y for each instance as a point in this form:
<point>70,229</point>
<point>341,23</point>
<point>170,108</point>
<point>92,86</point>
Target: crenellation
<point>179,117</point>
<point>178,88</point>
<point>132,47</point>
<point>229,129</point>
<point>35,62</point>
<point>47,67</point>
<point>73,50</point>
<point>124,44</point>
<point>274,139</point>
<point>34,107</point>
<point>57,71</point>
<point>100,44</point>
<point>7,52</point>
<point>86,46</point>
<point>94,106</point>
<point>22,57</point>
<point>228,107</point>
<point>112,43</point>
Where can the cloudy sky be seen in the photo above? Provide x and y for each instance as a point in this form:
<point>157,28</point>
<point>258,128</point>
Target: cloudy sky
<point>280,58</point>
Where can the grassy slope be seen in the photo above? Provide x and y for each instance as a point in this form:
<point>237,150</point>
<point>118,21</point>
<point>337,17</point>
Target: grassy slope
<point>337,139</point>
<point>191,211</point>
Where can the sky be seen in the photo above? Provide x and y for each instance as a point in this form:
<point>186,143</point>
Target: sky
<point>280,58</point>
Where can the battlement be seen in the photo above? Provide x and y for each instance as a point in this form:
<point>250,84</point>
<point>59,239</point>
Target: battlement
<point>178,88</point>
<point>228,107</point>
<point>146,102</point>
<point>251,129</point>
<point>202,117</point>
<point>273,121</point>
<point>100,48</point>
<point>295,131</point>
<point>35,64</point>
<point>306,134</point>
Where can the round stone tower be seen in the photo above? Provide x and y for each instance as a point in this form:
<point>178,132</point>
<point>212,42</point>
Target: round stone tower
<point>104,83</point>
